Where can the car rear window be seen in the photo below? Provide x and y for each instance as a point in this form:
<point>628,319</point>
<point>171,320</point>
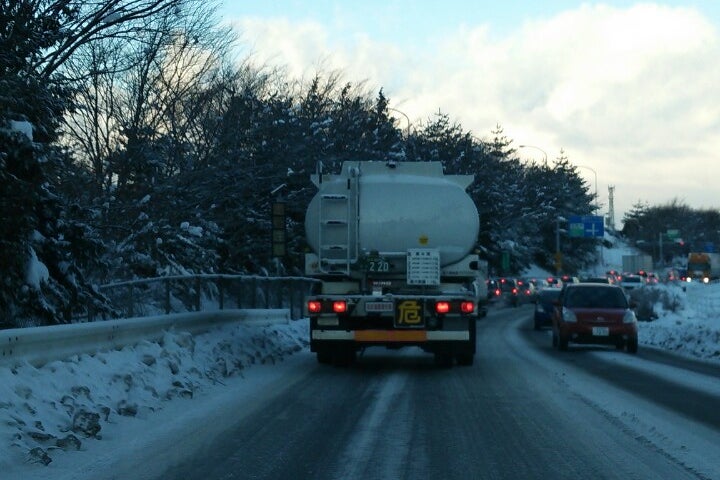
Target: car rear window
<point>549,295</point>
<point>595,298</point>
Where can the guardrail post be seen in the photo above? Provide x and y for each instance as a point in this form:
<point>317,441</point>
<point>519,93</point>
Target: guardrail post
<point>254,293</point>
<point>267,293</point>
<point>131,309</point>
<point>167,296</point>
<point>221,292</point>
<point>197,294</point>
<point>294,290</point>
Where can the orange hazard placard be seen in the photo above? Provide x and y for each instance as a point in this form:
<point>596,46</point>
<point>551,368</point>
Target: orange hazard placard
<point>390,336</point>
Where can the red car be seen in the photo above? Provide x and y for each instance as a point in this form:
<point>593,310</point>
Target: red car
<point>594,313</point>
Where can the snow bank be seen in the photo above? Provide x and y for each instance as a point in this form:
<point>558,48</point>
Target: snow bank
<point>65,404</point>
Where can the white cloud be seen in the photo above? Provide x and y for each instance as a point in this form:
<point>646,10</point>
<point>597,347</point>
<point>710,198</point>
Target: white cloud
<point>631,92</point>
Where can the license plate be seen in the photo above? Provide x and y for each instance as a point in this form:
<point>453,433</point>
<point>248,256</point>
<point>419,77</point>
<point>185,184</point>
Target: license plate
<point>379,307</point>
<point>601,331</point>
<point>328,322</point>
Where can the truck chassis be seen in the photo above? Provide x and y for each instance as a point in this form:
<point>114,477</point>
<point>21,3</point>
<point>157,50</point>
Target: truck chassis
<point>343,325</point>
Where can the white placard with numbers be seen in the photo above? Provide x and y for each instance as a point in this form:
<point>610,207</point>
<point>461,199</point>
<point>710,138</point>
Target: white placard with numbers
<point>423,266</point>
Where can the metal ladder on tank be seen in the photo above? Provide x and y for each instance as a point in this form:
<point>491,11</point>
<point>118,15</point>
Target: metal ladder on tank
<point>335,214</point>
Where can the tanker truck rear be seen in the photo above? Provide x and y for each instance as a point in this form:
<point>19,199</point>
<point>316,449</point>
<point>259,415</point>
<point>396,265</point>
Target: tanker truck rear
<point>392,247</point>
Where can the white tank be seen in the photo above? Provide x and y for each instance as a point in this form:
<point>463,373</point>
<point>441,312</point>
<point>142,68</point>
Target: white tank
<point>390,208</point>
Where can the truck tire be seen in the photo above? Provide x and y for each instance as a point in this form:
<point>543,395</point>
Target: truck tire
<point>465,359</point>
<point>324,357</point>
<point>345,358</point>
<point>443,360</point>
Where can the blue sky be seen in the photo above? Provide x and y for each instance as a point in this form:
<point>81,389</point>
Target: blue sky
<point>627,89</point>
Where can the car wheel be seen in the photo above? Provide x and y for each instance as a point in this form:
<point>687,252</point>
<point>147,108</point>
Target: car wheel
<point>632,345</point>
<point>537,325</point>
<point>620,345</point>
<point>562,343</point>
<point>554,339</point>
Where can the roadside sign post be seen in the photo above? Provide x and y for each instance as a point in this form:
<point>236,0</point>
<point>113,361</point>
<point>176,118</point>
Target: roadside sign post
<point>586,226</point>
<point>670,234</point>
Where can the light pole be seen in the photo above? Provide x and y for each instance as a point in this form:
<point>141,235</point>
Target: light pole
<point>597,207</point>
<point>404,115</point>
<point>537,148</point>
<point>558,257</point>
<point>596,190</point>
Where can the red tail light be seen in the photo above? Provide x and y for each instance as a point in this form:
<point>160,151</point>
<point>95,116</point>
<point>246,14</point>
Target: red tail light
<point>467,307</point>
<point>314,306</point>
<point>340,306</point>
<point>442,307</point>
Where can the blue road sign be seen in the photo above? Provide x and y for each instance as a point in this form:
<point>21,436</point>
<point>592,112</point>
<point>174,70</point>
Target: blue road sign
<point>586,226</point>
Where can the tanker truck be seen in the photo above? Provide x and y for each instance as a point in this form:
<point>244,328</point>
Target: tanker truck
<point>391,245</point>
<point>703,266</point>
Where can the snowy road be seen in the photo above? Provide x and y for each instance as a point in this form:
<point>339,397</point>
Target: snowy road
<point>522,411</point>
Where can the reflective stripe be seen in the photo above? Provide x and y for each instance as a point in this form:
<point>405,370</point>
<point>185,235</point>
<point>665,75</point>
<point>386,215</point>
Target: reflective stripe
<point>448,335</point>
<point>331,335</point>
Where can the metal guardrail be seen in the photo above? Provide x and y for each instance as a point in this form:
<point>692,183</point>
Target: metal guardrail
<point>195,293</point>
<point>57,342</point>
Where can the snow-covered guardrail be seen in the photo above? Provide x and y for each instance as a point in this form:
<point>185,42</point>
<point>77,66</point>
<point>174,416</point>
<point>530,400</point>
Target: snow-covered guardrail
<point>182,293</point>
<point>41,345</point>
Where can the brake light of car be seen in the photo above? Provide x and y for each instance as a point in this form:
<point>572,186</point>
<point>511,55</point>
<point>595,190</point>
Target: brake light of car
<point>314,306</point>
<point>467,307</point>
<point>442,307</point>
<point>568,315</point>
<point>498,292</point>
<point>339,306</point>
<point>514,291</point>
<point>629,317</point>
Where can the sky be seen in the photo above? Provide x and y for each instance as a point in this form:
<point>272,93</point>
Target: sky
<point>627,90</point>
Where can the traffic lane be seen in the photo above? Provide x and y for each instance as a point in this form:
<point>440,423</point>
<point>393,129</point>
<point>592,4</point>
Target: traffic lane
<point>396,415</point>
<point>691,402</point>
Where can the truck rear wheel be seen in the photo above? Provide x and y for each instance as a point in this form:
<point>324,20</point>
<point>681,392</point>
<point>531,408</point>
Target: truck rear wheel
<point>324,357</point>
<point>465,359</point>
<point>345,358</point>
<point>443,360</point>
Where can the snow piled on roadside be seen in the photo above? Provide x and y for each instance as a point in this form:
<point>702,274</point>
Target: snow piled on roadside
<point>64,404</point>
<point>693,329</point>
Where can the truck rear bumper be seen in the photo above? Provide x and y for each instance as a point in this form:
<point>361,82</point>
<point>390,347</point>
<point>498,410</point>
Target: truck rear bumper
<point>391,336</point>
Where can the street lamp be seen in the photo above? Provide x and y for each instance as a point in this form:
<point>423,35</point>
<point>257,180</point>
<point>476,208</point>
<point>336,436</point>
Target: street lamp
<point>596,190</point>
<point>558,258</point>
<point>597,205</point>
<point>404,115</point>
<point>537,148</point>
